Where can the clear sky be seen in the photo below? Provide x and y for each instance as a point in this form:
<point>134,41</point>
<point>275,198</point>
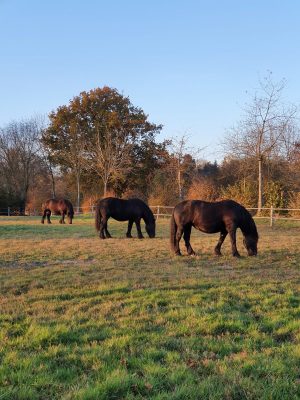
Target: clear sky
<point>187,63</point>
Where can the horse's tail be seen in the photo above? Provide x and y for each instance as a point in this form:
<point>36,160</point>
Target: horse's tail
<point>173,231</point>
<point>97,218</point>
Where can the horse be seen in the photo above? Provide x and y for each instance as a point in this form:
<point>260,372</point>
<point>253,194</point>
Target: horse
<point>61,207</point>
<point>223,216</point>
<point>132,210</point>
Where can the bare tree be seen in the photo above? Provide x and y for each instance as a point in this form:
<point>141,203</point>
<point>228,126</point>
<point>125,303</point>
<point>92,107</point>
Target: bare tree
<point>50,165</point>
<point>65,145</point>
<point>266,130</point>
<point>75,155</point>
<point>19,151</point>
<point>109,153</point>
<point>180,149</point>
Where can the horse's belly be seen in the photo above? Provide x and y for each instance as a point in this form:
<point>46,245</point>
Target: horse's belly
<point>208,228</point>
<point>119,218</point>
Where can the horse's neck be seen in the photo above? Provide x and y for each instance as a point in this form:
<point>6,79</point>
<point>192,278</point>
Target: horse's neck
<point>146,215</point>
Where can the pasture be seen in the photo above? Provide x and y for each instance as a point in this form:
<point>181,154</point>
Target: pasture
<point>82,318</point>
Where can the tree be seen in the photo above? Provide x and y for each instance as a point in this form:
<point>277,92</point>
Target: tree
<point>50,166</point>
<point>64,143</point>
<point>19,158</point>
<point>266,130</point>
<point>98,132</point>
<point>184,163</point>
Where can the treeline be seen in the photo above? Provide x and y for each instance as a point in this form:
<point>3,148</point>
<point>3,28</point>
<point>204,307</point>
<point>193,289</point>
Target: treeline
<point>101,144</point>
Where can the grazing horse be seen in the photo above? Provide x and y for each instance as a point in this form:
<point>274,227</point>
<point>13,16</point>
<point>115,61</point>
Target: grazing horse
<point>61,207</point>
<point>132,210</point>
<point>223,216</point>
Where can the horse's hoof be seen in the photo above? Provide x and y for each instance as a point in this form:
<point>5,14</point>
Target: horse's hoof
<point>237,255</point>
<point>178,253</point>
<point>129,236</point>
<point>192,254</point>
<point>218,253</point>
<point>141,237</point>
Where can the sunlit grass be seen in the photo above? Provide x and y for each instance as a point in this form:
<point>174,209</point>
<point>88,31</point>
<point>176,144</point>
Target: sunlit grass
<point>83,318</point>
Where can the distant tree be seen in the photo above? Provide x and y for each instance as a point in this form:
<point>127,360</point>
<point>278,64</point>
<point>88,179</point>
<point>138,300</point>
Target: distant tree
<point>64,143</point>
<point>243,191</point>
<point>183,161</point>
<point>203,189</point>
<point>19,159</point>
<point>206,169</point>
<point>49,164</point>
<point>267,130</point>
<point>98,131</point>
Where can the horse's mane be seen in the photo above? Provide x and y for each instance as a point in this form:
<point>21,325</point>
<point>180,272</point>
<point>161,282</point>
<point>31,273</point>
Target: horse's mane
<point>148,214</point>
<point>248,225</point>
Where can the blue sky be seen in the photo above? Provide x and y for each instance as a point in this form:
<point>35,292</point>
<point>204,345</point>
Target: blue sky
<point>188,64</point>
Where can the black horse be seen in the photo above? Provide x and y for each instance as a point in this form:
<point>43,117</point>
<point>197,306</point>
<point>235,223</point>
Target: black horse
<point>132,210</point>
<point>223,216</point>
<point>61,207</point>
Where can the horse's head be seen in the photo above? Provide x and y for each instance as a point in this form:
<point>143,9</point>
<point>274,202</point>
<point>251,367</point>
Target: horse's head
<point>250,242</point>
<point>150,228</point>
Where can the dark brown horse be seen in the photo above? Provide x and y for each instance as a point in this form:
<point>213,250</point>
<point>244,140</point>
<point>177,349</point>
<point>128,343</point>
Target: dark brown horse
<point>132,210</point>
<point>61,207</point>
<point>223,216</point>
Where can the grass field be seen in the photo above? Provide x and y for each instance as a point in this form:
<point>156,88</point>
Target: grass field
<point>82,318</point>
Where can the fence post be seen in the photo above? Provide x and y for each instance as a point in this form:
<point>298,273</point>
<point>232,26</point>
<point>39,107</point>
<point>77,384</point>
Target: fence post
<point>157,212</point>
<point>271,216</point>
<point>8,211</point>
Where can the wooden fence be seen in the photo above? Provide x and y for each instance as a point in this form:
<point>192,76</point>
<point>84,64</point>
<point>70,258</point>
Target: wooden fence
<point>271,214</point>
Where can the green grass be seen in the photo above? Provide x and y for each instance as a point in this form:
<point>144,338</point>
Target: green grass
<point>82,318</point>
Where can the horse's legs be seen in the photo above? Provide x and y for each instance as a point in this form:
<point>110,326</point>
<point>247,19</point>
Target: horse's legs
<point>69,218</point>
<point>43,216</point>
<point>48,213</point>
<point>128,233</point>
<point>138,228</point>
<point>232,234</point>
<point>62,220</point>
<point>223,235</point>
<point>103,227</point>
<point>177,240</point>
<point>108,235</point>
<point>186,236</point>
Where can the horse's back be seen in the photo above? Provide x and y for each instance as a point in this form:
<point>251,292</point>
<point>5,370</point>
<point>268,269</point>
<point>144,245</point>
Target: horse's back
<point>120,209</point>
<point>210,217</point>
<point>58,205</point>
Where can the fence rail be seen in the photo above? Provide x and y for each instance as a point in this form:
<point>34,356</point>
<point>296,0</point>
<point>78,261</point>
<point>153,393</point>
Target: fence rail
<point>271,213</point>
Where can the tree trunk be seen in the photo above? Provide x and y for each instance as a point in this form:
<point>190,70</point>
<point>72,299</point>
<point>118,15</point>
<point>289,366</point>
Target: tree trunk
<point>52,184</point>
<point>260,186</point>
<point>104,188</point>
<point>78,191</point>
<point>179,185</point>
<point>22,206</point>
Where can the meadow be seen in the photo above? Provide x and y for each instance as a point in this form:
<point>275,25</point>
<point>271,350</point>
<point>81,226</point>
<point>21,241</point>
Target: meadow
<point>82,318</point>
